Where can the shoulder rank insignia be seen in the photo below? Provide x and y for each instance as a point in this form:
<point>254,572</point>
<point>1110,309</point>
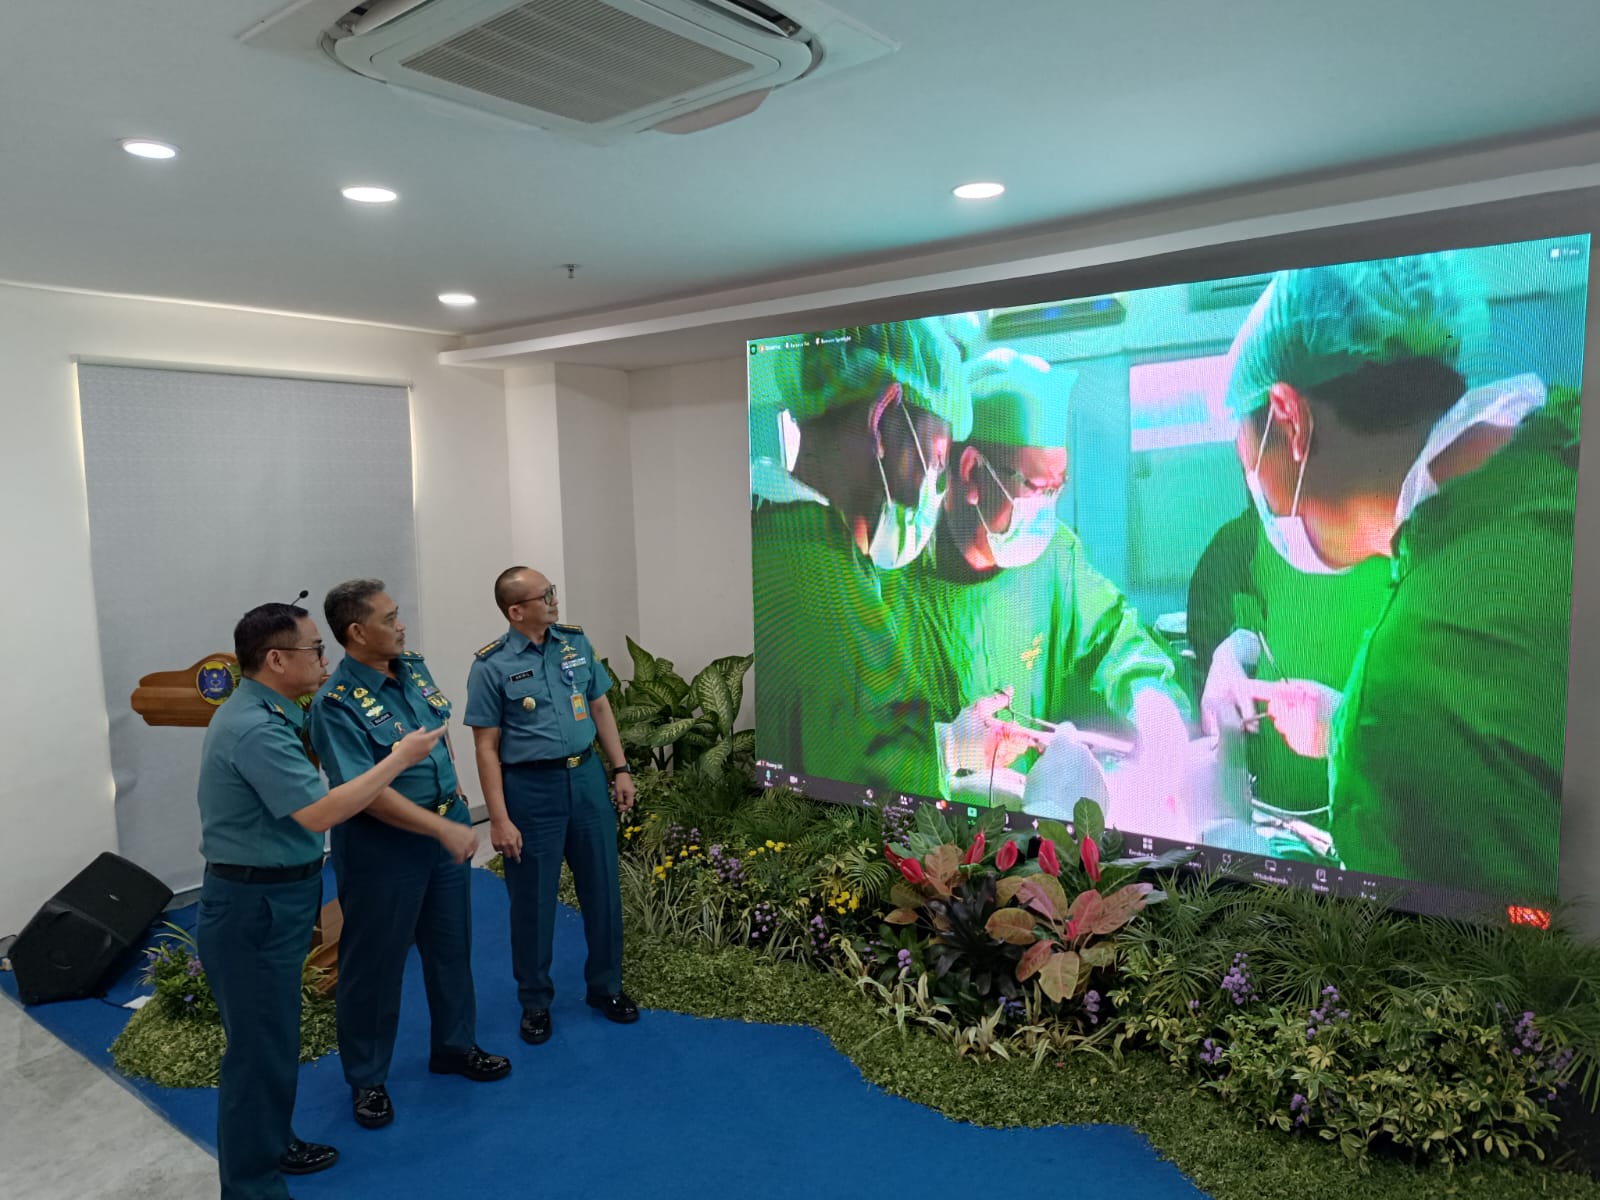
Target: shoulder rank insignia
<point>409,654</point>
<point>494,645</point>
<point>334,693</point>
<point>573,628</point>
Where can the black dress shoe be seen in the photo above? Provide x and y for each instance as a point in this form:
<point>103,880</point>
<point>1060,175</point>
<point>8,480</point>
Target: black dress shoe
<point>476,1064</point>
<point>619,1008</point>
<point>372,1107</point>
<point>306,1158</point>
<point>536,1026</point>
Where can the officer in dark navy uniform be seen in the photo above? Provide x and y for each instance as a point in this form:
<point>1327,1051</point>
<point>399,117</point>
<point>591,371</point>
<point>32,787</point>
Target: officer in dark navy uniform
<point>536,702</point>
<point>263,811</point>
<point>403,866</point>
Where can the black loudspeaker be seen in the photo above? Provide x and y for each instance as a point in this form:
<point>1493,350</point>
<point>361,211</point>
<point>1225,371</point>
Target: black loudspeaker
<point>73,943</point>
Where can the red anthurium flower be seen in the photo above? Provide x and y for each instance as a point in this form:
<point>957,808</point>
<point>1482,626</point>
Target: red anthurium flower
<point>1007,858</point>
<point>911,869</point>
<point>1090,851</point>
<point>975,851</point>
<point>1048,862</point>
<point>891,855</point>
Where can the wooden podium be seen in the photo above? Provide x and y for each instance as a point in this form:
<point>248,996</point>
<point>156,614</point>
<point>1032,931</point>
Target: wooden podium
<point>190,697</point>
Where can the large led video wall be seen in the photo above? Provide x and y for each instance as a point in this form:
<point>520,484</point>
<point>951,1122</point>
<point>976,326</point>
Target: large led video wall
<point>1275,566</point>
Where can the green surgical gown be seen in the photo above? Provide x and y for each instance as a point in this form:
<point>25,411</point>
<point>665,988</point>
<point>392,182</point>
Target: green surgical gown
<point>1447,751</point>
<point>836,693</point>
<point>1313,625</point>
<point>1057,631</point>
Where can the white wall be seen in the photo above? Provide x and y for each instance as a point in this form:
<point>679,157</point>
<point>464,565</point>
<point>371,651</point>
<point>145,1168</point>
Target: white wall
<point>533,462</point>
<point>600,587</point>
<point>56,792</point>
<point>691,514</point>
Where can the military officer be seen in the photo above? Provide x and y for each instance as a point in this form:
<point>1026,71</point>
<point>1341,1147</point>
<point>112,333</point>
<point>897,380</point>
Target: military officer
<point>403,866</point>
<point>536,701</point>
<point>263,811</point>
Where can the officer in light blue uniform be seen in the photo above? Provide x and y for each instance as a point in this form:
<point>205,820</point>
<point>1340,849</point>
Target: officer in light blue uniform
<point>263,811</point>
<point>536,702</point>
<point>402,867</point>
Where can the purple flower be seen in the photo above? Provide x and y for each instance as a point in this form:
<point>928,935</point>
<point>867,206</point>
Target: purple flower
<point>1237,981</point>
<point>194,968</point>
<point>189,999</point>
<point>905,960</point>
<point>1194,1006</point>
<point>897,820</point>
<point>1210,1053</point>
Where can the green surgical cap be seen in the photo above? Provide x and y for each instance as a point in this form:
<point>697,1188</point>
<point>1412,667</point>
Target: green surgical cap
<point>842,366</point>
<point>1017,400</point>
<point>1318,323</point>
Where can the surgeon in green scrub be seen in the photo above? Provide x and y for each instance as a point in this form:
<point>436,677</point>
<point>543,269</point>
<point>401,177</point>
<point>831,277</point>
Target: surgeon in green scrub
<point>1253,616</point>
<point>1360,436</point>
<point>837,692</point>
<point>1009,607</point>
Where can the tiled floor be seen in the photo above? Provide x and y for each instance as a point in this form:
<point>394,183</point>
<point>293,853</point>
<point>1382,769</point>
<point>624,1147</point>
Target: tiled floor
<point>68,1131</point>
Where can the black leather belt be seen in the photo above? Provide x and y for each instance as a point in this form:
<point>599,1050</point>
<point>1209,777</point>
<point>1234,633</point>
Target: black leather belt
<point>235,874</point>
<point>554,764</point>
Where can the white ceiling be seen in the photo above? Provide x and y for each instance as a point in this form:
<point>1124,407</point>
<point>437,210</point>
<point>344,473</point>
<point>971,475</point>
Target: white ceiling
<point>1080,109</point>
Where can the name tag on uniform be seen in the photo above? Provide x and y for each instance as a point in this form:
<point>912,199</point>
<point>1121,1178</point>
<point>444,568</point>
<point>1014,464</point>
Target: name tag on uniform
<point>573,662</point>
<point>580,707</point>
<point>520,675</point>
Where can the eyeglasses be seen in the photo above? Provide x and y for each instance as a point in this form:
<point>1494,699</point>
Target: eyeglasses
<point>548,596</point>
<point>320,647</point>
<point>1021,486</point>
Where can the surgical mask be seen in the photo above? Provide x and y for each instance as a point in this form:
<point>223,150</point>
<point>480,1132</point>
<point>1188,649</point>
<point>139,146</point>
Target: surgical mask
<point>1287,535</point>
<point>1504,405</point>
<point>1033,526</point>
<point>904,532</point>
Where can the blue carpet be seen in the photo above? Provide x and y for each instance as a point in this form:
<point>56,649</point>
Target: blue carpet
<point>674,1106</point>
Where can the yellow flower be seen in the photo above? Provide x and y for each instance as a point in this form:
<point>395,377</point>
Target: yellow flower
<point>771,845</point>
<point>779,847</point>
<point>855,903</point>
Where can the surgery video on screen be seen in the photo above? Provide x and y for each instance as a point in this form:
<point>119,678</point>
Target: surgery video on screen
<point>1279,564</point>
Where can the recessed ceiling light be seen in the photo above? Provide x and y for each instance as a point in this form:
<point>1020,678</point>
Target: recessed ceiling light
<point>979,191</point>
<point>369,195</point>
<point>145,148</point>
<point>457,299</point>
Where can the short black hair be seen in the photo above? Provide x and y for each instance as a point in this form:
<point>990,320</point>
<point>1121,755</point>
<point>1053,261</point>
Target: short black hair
<point>502,588</point>
<point>262,629</point>
<point>1389,397</point>
<point>349,603</point>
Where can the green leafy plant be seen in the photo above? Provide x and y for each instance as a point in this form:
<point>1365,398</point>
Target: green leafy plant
<point>176,1039</point>
<point>681,724</point>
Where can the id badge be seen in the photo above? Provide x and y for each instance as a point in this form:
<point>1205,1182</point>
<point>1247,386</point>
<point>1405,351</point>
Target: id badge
<point>580,707</point>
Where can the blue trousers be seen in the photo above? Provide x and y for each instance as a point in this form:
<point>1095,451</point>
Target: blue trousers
<point>398,889</point>
<point>563,814</point>
<point>253,939</point>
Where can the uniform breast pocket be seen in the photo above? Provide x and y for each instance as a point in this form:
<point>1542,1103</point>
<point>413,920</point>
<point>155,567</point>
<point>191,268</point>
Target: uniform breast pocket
<point>386,734</point>
<point>524,695</point>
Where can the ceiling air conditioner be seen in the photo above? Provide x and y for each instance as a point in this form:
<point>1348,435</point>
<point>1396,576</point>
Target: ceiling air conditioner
<point>597,70</point>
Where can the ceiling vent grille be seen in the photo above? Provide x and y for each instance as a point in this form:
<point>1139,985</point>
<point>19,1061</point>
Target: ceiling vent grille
<point>580,59</point>
<point>597,70</point>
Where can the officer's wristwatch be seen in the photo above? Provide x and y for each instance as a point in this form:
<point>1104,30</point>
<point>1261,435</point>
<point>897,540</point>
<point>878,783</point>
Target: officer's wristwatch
<point>621,768</point>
